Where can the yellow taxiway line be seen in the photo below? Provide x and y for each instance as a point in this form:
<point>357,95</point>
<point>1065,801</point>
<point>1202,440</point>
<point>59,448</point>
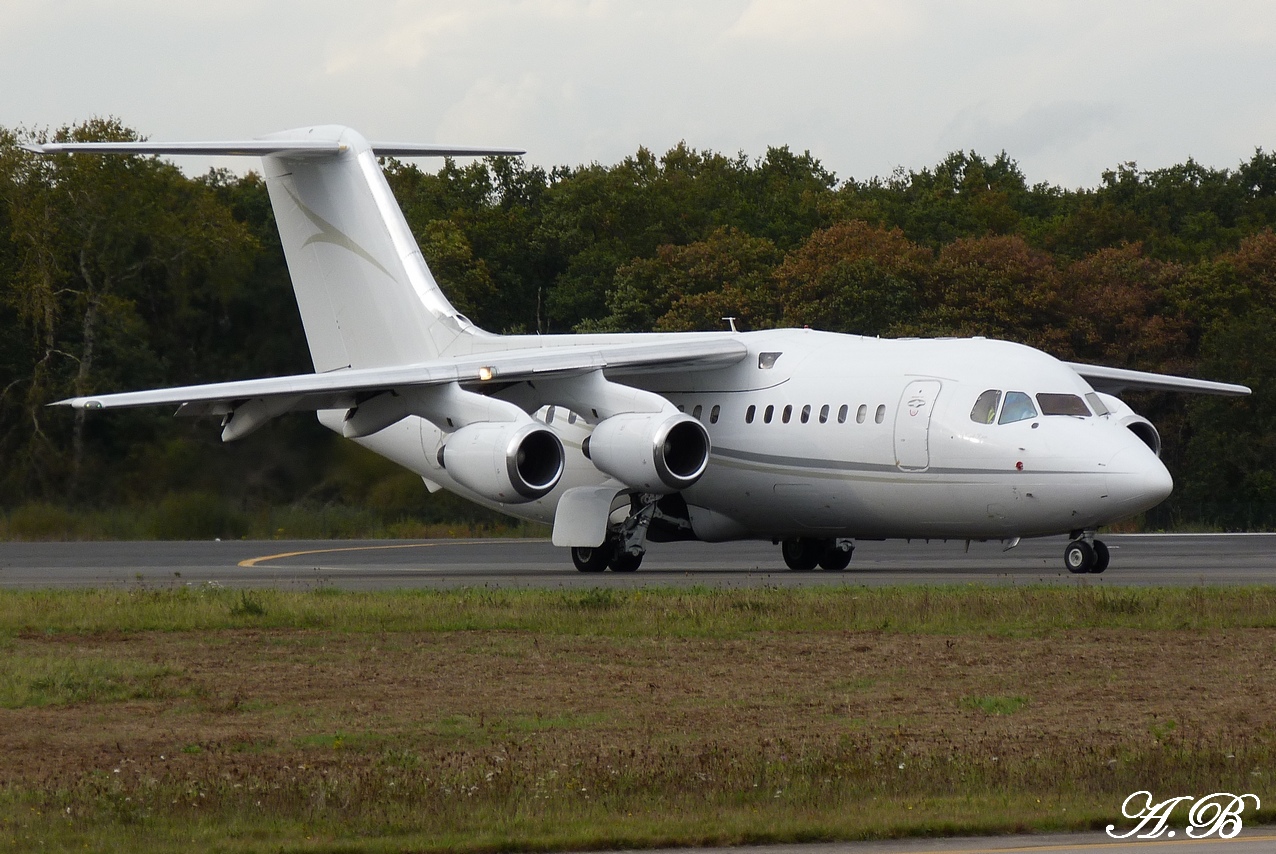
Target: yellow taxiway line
<point>254,561</point>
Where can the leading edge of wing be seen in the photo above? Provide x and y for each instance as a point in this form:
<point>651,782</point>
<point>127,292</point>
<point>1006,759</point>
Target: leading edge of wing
<point>333,389</point>
<point>1117,380</point>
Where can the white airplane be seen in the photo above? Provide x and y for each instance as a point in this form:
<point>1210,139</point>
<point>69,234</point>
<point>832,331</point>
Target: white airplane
<point>809,439</point>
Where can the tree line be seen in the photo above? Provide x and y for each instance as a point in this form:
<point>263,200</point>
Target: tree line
<point>121,273</point>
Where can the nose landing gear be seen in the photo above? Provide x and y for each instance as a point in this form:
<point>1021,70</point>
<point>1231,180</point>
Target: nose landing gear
<point>1085,554</point>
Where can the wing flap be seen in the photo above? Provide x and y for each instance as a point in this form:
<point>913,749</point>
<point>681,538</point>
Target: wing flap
<point>335,389</point>
<point>1117,380</point>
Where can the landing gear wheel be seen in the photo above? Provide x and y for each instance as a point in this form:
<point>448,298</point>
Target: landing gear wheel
<point>1101,557</point>
<point>593,559</point>
<point>625,562</point>
<point>1078,557</point>
<point>801,554</point>
<point>836,558</point>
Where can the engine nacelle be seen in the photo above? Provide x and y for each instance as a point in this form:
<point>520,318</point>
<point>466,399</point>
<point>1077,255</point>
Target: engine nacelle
<point>653,451</point>
<point>505,461</point>
<point>1121,412</point>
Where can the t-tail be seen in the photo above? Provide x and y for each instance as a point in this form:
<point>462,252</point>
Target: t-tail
<point>366,296</point>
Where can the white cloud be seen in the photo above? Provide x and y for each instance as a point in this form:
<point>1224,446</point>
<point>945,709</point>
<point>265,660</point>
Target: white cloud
<point>823,22</point>
<point>1067,88</point>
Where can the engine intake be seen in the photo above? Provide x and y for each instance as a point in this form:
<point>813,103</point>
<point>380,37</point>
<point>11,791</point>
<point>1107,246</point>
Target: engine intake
<point>1143,428</point>
<point>656,452</point>
<point>504,461</point>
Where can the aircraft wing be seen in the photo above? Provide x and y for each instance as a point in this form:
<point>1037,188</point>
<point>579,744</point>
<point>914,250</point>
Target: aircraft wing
<point>1117,380</point>
<point>343,388</point>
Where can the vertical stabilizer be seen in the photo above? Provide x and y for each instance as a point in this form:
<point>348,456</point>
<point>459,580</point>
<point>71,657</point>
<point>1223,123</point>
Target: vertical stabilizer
<point>366,296</point>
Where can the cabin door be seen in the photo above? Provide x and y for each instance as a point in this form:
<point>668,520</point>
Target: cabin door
<point>912,425</point>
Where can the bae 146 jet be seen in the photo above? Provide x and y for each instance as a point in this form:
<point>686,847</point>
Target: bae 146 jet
<point>809,439</point>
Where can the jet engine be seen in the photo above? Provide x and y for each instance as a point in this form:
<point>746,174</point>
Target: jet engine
<point>653,451</point>
<point>505,461</point>
<point>1141,427</point>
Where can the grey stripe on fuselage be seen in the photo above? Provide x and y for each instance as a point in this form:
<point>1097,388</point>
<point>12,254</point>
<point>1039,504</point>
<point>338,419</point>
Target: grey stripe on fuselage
<point>811,465</point>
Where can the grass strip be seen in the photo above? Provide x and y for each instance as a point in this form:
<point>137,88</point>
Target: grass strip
<point>494,720</point>
<point>695,612</point>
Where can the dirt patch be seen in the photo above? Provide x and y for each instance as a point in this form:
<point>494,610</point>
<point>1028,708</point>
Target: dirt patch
<point>239,702</point>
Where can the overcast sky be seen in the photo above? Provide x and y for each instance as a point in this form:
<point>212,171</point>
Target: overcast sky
<point>1066,88</point>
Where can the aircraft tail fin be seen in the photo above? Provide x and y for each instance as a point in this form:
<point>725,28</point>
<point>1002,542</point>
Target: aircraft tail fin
<point>367,297</point>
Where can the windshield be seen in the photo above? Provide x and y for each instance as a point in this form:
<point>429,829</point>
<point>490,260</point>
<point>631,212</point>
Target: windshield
<point>1062,404</point>
<point>1018,408</point>
<point>985,409</point>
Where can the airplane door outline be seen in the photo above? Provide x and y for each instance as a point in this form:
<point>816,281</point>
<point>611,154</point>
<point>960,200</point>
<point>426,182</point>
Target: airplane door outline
<point>912,424</point>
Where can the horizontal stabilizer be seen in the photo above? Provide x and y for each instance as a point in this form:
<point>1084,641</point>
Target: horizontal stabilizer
<point>267,147</point>
<point>1117,380</point>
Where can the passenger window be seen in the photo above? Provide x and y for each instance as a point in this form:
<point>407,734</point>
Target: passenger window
<point>1018,408</point>
<point>549,415</point>
<point>841,413</point>
<point>768,413</point>
<point>824,414</point>
<point>1096,403</point>
<point>788,413</point>
<point>695,413</point>
<point>881,413</point>
<point>749,413</point>
<point>571,417</point>
<point>714,413</point>
<point>985,409</point>
<point>861,414</point>
<point>806,413</point>
<point>1062,404</point>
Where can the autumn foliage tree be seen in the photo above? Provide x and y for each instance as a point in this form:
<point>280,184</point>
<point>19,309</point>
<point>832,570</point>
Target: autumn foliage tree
<point>121,272</point>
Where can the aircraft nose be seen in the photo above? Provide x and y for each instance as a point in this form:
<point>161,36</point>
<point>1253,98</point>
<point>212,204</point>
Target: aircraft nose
<point>1138,480</point>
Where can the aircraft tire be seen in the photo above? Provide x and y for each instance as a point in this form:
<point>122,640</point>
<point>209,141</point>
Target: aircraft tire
<point>1078,557</point>
<point>593,559</point>
<point>836,559</point>
<point>801,554</point>
<point>1101,557</point>
<point>625,562</point>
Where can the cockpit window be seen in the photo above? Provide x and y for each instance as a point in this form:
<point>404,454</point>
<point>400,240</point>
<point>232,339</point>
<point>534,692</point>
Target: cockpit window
<point>985,411</point>
<point>1096,404</point>
<point>1062,404</point>
<point>1018,408</point>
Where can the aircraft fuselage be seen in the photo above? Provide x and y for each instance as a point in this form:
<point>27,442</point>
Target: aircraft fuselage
<point>823,435</point>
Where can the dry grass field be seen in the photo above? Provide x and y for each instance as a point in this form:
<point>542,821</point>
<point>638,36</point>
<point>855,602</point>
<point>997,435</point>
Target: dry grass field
<point>534,720</point>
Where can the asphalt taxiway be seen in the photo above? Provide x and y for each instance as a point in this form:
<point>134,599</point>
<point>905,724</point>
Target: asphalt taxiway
<point>1137,559</point>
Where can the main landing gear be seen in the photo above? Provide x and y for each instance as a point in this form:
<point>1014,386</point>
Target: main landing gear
<point>606,556</point>
<point>803,554</point>
<point>626,542</point>
<point>1085,554</point>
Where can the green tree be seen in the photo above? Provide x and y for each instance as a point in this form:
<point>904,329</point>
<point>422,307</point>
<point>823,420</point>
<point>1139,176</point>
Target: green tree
<point>1120,310</point>
<point>999,287</point>
<point>659,292</point>
<point>109,250</point>
<point>853,277</point>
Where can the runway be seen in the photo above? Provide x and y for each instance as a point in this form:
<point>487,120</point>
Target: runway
<point>1137,560</point>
